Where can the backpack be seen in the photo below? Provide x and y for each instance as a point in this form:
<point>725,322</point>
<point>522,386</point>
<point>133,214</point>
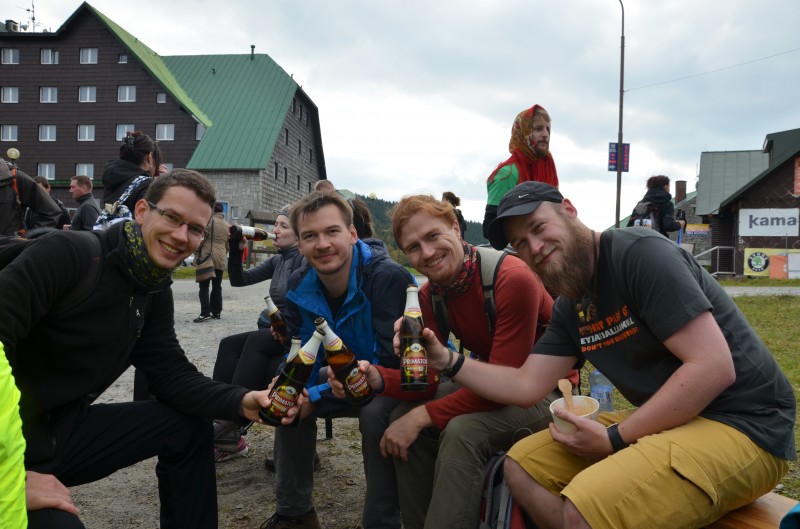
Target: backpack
<point>646,214</point>
<point>11,247</point>
<point>489,265</point>
<point>498,508</point>
<point>118,211</point>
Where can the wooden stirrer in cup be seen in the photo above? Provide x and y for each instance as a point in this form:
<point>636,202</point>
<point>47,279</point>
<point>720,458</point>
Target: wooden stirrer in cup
<point>566,389</point>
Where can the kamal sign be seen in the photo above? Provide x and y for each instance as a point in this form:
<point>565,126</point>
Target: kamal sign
<point>769,222</point>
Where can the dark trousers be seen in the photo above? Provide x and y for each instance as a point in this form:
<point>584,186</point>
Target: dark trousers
<point>211,305</point>
<point>113,436</point>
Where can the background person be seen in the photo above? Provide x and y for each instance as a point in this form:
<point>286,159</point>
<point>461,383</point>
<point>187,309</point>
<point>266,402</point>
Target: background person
<point>251,359</point>
<point>139,155</point>
<point>80,187</point>
<point>17,192</point>
<point>451,197</point>
<point>714,427</point>
<point>530,160</point>
<point>216,247</point>
<point>34,220</point>
<point>658,194</point>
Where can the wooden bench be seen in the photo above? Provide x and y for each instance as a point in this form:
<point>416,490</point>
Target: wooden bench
<point>764,513</point>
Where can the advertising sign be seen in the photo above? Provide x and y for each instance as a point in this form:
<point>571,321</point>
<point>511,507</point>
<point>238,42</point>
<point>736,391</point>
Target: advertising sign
<point>757,260</point>
<point>769,222</point>
<point>615,157</point>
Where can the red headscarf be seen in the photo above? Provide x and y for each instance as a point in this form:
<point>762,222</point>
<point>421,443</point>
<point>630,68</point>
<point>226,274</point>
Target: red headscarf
<point>529,164</point>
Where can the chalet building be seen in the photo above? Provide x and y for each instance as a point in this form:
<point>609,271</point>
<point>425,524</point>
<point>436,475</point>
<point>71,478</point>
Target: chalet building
<point>762,217</point>
<point>68,97</point>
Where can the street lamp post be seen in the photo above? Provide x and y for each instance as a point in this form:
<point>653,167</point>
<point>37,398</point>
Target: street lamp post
<point>621,93</point>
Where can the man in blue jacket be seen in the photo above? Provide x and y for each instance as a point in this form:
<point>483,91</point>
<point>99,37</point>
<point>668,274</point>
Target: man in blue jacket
<point>361,292</point>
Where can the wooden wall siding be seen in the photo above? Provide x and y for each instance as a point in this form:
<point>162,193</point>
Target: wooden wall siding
<point>85,32</point>
<point>722,234</point>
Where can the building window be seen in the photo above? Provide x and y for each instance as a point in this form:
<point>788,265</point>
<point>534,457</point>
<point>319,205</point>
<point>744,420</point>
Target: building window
<point>86,169</point>
<point>126,93</point>
<point>88,55</point>
<point>123,58</point>
<point>87,94</point>
<point>9,132</point>
<point>48,56</point>
<point>310,155</point>
<point>299,147</point>
<point>161,97</point>
<point>85,132</point>
<point>169,166</point>
<point>286,136</point>
<point>306,119</point>
<point>309,187</point>
<point>47,170</point>
<point>123,128</point>
<point>165,132</point>
<point>294,106</point>
<point>301,113</point>
<point>276,170</point>
<point>47,133</point>
<point>234,212</point>
<point>10,94</point>
<point>298,182</point>
<point>285,176</point>
<point>48,94</point>
<point>10,56</point>
<point>199,131</point>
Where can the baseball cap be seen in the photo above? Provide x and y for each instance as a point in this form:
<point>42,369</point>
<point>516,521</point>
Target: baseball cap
<point>522,200</point>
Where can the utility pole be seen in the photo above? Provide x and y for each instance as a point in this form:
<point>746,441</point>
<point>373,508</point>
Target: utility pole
<point>621,93</point>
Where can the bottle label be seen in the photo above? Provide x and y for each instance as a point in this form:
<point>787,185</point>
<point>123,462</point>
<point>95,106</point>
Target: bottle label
<point>356,383</point>
<point>306,357</point>
<point>334,344</point>
<point>283,398</point>
<point>248,231</point>
<point>413,312</point>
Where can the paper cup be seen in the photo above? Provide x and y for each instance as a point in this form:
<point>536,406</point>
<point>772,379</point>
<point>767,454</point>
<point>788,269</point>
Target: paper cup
<point>584,406</point>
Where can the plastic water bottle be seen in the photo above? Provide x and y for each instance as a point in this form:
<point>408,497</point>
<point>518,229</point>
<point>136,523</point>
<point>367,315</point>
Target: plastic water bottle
<point>601,389</point>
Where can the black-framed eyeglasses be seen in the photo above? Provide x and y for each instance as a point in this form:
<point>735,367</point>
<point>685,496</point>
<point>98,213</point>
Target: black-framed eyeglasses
<point>176,222</point>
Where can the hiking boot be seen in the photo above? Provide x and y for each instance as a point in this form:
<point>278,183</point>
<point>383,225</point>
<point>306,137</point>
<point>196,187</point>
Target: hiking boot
<point>224,455</point>
<point>216,316</point>
<point>226,435</point>
<point>201,318</point>
<point>269,463</point>
<point>305,521</point>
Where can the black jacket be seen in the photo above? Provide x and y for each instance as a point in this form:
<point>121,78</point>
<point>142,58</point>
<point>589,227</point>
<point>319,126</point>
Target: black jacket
<point>64,357</point>
<point>30,196</point>
<point>87,213</point>
<point>666,209</point>
<point>117,175</point>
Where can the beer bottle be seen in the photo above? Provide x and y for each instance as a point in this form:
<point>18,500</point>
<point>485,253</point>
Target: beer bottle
<point>277,322</point>
<point>344,365</point>
<point>254,234</point>
<point>414,365</point>
<point>291,380</point>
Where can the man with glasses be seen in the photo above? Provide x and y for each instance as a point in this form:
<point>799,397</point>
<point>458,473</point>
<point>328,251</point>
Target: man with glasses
<point>78,310</point>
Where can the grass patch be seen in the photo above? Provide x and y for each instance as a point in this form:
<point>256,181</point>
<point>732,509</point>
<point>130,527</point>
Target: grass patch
<point>746,281</point>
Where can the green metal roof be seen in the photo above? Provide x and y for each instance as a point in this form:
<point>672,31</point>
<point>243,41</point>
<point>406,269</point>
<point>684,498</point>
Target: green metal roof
<point>153,63</point>
<point>724,173</point>
<point>246,96</point>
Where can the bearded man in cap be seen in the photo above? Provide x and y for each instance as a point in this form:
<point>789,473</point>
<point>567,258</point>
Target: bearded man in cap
<point>714,424</point>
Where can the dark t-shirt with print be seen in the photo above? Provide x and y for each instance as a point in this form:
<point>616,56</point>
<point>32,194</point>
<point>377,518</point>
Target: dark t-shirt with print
<point>648,288</point>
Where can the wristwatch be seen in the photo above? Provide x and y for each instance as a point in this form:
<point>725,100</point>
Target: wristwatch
<point>617,443</point>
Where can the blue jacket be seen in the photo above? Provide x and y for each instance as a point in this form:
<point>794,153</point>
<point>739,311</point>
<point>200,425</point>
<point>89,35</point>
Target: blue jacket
<point>376,296</point>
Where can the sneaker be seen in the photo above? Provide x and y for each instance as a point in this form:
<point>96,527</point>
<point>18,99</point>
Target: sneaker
<point>222,455</point>
<point>216,316</point>
<point>226,436</point>
<point>201,318</point>
<point>305,521</point>
<point>269,463</point>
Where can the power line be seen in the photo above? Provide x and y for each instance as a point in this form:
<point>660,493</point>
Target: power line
<point>712,71</point>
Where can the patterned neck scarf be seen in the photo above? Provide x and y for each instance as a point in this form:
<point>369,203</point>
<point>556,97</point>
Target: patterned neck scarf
<point>138,261</point>
<point>531,167</point>
<point>464,277</point>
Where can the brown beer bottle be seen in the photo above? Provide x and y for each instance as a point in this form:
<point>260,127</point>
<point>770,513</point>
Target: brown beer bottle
<point>236,232</point>
<point>276,319</point>
<point>414,364</point>
<point>291,380</point>
<point>344,365</point>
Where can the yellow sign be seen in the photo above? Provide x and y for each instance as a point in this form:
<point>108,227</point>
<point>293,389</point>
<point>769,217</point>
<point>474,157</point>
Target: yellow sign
<point>698,229</point>
<point>757,260</point>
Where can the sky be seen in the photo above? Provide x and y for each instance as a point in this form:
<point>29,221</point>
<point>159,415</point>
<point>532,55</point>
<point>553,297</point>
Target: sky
<point>418,96</point>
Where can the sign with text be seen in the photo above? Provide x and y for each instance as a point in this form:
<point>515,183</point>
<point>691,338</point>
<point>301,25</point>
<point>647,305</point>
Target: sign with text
<point>769,222</point>
<point>757,260</point>
<point>616,157</point>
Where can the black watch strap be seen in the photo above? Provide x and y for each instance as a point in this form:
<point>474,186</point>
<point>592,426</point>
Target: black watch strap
<point>617,443</point>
